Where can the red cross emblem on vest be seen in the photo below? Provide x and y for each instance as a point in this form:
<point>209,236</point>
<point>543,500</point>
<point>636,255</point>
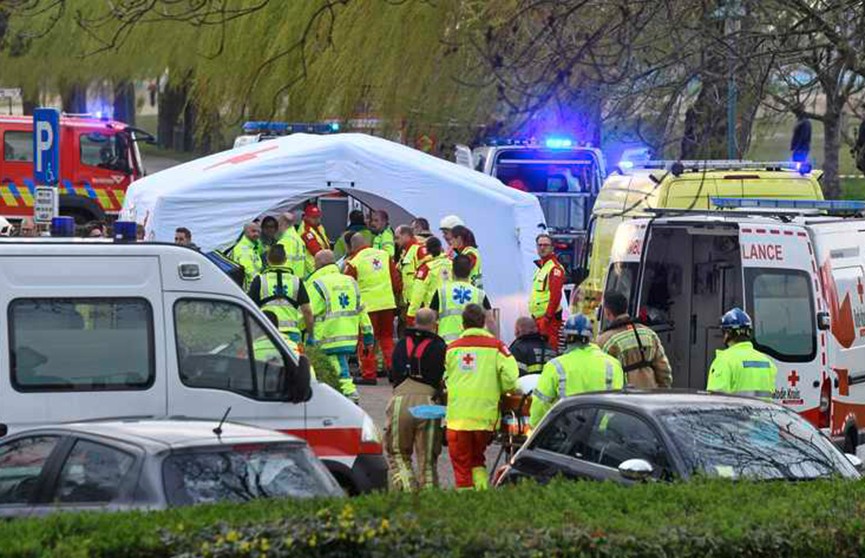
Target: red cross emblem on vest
<point>376,264</point>
<point>468,362</point>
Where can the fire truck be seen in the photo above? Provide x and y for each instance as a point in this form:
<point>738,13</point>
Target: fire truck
<point>565,177</point>
<point>99,159</point>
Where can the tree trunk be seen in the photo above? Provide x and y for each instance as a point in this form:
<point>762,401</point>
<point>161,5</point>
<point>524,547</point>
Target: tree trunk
<point>124,102</point>
<point>172,102</point>
<point>74,98</point>
<point>831,153</point>
<point>29,100</point>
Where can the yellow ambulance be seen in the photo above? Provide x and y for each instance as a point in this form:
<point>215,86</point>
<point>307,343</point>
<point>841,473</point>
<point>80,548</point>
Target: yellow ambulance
<point>633,191</point>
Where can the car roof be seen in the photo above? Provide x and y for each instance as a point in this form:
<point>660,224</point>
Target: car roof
<point>159,435</point>
<point>658,401</point>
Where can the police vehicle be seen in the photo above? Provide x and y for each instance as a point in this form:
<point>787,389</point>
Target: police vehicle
<point>255,131</point>
<point>102,329</point>
<point>796,266</point>
<point>565,176</point>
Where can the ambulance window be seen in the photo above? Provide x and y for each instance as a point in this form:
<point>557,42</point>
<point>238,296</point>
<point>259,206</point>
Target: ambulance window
<point>18,146</point>
<point>782,307</point>
<point>81,344</point>
<point>221,346</point>
<point>621,279</point>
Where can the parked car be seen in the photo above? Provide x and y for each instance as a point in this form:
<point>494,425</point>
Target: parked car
<point>153,464</point>
<point>630,436</point>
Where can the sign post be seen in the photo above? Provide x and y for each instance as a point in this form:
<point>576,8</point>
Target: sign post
<point>46,163</point>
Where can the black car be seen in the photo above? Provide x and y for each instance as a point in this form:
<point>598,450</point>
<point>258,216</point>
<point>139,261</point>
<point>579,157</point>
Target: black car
<point>629,436</point>
<point>153,464</point>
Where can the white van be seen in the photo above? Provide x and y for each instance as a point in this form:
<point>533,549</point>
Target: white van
<point>102,329</point>
<point>799,273</point>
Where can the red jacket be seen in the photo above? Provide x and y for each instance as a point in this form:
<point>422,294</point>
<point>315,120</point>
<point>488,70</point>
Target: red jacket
<point>555,284</point>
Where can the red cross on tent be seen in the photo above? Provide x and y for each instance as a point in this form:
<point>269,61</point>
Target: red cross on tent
<point>243,157</point>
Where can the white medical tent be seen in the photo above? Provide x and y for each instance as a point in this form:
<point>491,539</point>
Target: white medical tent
<point>215,195</point>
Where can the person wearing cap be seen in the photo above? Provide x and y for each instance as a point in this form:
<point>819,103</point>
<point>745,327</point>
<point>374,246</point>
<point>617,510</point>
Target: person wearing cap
<point>446,225</point>
<point>379,224</point>
<point>635,345</point>
<point>464,244</point>
<point>547,288</point>
<point>313,234</point>
<point>584,368</point>
<point>741,369</point>
<point>247,253</point>
<point>429,278</point>
<point>380,288</point>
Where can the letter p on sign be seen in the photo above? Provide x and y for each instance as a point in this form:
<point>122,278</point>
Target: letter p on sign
<point>46,146</point>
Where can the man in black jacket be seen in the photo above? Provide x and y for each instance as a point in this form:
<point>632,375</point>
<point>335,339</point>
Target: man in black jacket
<point>800,144</point>
<point>530,348</point>
<point>417,371</point>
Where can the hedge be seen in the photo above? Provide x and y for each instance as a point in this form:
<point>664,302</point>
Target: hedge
<point>325,371</point>
<point>710,519</point>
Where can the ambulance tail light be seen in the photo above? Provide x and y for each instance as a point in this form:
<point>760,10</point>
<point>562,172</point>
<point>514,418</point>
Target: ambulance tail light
<point>825,415</point>
<point>370,437</point>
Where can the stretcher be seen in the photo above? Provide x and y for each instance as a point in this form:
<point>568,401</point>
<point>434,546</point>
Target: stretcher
<point>514,427</point>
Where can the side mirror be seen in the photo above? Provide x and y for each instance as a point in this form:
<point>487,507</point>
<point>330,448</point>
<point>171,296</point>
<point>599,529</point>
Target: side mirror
<point>823,321</point>
<point>4,429</point>
<point>637,470</point>
<point>579,275</point>
<point>295,381</point>
<point>855,461</point>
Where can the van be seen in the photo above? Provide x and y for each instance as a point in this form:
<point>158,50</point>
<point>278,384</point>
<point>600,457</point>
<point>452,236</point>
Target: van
<point>797,267</point>
<point>143,330</point>
<point>99,159</point>
<point>636,189</point>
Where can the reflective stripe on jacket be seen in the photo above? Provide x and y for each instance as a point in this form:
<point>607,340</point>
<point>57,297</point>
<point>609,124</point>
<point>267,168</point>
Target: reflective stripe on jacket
<point>454,296</point>
<point>428,280</point>
<point>278,293</point>
<point>373,278</point>
<point>335,302</point>
<point>742,370</point>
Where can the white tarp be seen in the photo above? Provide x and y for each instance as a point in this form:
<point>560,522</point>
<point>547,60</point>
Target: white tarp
<point>214,196</point>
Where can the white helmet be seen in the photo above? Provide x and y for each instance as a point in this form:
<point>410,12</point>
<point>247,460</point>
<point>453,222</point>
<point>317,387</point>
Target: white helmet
<point>450,221</point>
<point>5,227</point>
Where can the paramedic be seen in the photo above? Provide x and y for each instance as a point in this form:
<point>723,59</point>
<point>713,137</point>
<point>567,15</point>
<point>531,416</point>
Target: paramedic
<point>247,252</point>
<point>279,290</point>
<point>464,244</point>
<point>313,234</point>
<point>740,368</point>
<point>379,224</point>
<point>429,278</point>
<point>451,299</point>
<point>295,250</point>
<point>547,287</point>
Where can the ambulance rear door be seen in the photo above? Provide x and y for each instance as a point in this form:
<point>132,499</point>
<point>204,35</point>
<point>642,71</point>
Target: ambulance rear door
<point>783,297</point>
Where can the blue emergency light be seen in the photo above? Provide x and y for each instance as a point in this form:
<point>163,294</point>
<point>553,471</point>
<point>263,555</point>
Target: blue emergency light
<point>559,143</point>
<point>124,231</point>
<point>282,128</point>
<point>626,165</point>
<point>773,203</point>
<point>62,227</point>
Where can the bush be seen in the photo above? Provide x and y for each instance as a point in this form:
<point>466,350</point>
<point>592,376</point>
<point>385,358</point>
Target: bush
<point>325,372</point>
<point>705,520</point>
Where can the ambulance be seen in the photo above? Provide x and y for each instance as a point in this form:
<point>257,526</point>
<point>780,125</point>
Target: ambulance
<point>796,266</point>
<point>636,188</point>
<point>99,159</point>
<point>98,330</point>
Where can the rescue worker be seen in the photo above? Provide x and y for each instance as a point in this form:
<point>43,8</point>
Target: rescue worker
<point>247,253</point>
<point>340,318</point>
<point>418,369</point>
<point>529,347</point>
<point>380,288</point>
<point>411,255</point>
<point>478,370</point>
<point>429,278</point>
<point>420,226</point>
<point>464,244</point>
<point>636,346</point>
<point>295,250</point>
<point>269,235</point>
<point>356,224</point>
<point>379,224</point>
<point>740,368</point>
<point>584,368</point>
<point>446,225</point>
<point>313,234</point>
<point>547,287</point>
<point>279,290</point>
<point>453,296</point>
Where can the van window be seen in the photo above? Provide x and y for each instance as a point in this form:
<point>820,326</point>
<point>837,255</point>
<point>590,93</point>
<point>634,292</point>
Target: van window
<point>622,278</point>
<point>782,307</point>
<point>81,344</point>
<point>18,146</point>
<point>221,346</point>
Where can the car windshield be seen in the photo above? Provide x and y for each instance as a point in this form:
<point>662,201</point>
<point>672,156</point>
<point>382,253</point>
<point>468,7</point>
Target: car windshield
<point>755,443</point>
<point>245,472</point>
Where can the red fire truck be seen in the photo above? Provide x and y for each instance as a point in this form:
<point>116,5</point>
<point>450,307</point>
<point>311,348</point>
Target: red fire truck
<point>99,159</point>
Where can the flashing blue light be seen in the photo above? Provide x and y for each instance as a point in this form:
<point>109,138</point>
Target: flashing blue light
<point>124,231</point>
<point>770,203</point>
<point>626,165</point>
<point>62,227</point>
<point>559,143</point>
<point>334,126</point>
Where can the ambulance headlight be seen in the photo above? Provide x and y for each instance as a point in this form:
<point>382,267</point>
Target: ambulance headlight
<point>369,433</point>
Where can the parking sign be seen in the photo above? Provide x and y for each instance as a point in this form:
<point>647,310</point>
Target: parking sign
<point>46,146</point>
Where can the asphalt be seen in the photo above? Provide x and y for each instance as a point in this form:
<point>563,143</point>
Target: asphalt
<point>374,401</point>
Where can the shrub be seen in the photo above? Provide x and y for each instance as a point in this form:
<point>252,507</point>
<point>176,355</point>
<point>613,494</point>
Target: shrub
<point>325,371</point>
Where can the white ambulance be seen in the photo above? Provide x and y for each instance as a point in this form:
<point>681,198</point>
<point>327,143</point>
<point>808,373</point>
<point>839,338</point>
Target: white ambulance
<point>101,329</point>
<point>797,267</point>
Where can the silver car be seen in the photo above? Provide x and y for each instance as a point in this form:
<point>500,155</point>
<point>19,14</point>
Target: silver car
<point>153,464</point>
